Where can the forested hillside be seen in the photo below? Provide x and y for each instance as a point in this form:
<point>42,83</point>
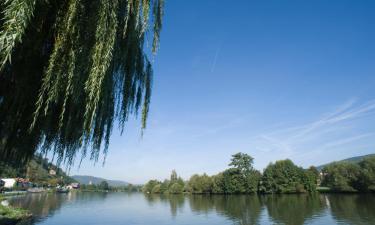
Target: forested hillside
<point>355,159</point>
<point>37,171</point>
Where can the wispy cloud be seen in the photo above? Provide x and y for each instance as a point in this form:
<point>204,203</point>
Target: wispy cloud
<point>213,66</point>
<point>332,130</point>
<point>327,119</point>
<point>346,140</point>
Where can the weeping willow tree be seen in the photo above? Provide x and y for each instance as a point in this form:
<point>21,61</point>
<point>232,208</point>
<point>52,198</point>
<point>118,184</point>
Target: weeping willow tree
<point>70,70</point>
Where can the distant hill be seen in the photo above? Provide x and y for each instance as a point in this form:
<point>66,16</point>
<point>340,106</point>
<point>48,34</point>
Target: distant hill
<point>355,159</point>
<point>97,180</point>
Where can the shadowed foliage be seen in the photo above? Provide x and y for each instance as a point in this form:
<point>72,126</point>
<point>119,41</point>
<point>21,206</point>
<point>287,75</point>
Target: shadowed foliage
<point>69,70</point>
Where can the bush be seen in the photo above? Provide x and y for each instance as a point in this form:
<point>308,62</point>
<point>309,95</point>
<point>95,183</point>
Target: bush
<point>176,188</point>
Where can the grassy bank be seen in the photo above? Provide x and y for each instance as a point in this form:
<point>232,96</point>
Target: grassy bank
<point>10,215</point>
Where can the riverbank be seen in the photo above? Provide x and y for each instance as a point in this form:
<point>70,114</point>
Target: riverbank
<point>10,215</point>
<point>333,191</point>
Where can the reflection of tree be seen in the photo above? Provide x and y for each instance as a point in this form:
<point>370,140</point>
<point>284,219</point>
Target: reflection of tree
<point>202,203</point>
<point>46,204</point>
<point>152,198</point>
<point>175,202</point>
<point>244,210</point>
<point>241,209</point>
<point>40,205</point>
<point>293,209</point>
<point>353,209</point>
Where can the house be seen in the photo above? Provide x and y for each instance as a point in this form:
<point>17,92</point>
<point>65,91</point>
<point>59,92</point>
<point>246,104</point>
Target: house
<point>9,182</point>
<point>52,172</point>
<point>75,185</point>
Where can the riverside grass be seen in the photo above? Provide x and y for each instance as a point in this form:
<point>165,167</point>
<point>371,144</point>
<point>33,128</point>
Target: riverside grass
<point>11,215</point>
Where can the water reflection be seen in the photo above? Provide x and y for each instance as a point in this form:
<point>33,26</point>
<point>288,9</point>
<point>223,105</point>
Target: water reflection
<point>41,205</point>
<point>353,209</point>
<point>294,209</point>
<point>198,209</point>
<point>241,209</point>
<point>44,205</point>
<point>175,202</point>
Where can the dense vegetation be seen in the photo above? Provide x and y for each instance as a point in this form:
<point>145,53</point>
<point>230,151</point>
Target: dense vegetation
<point>69,70</point>
<point>285,177</point>
<point>175,185</point>
<point>37,171</point>
<point>241,178</point>
<point>350,177</point>
<point>104,186</point>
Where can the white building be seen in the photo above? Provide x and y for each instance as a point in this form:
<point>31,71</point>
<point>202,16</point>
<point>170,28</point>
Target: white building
<point>52,172</point>
<point>9,182</point>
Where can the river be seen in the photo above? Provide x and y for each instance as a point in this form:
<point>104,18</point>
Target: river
<point>81,208</point>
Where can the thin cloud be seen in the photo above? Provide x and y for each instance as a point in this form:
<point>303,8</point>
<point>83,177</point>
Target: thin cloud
<point>330,131</point>
<point>213,66</point>
<point>346,141</point>
<point>329,118</point>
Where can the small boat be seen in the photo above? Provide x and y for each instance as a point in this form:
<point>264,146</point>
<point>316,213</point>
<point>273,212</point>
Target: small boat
<point>35,190</point>
<point>62,190</point>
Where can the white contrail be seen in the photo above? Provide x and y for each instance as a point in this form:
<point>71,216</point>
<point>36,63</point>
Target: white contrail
<point>215,59</point>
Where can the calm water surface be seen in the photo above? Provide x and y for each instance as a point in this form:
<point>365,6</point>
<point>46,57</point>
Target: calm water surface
<point>121,208</point>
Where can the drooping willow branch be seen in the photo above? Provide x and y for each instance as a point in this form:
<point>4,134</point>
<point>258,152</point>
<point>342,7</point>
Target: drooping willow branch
<point>77,67</point>
<point>17,15</point>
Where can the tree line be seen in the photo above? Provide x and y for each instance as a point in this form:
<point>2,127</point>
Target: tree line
<point>104,186</point>
<point>283,176</point>
<point>242,178</point>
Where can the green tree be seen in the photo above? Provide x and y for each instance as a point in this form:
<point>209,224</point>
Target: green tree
<point>156,189</point>
<point>218,185</point>
<point>104,185</point>
<point>367,177</point>
<point>252,180</point>
<point>69,70</point>
<point>242,177</point>
<point>309,180</point>
<point>242,162</point>
<point>342,176</point>
<point>314,171</point>
<point>234,181</point>
<point>284,177</point>
<point>164,186</point>
<point>174,176</point>
<point>147,188</point>
<point>176,188</point>
<point>200,184</point>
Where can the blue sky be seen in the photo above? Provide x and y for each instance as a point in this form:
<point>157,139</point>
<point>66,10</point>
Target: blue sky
<point>274,79</point>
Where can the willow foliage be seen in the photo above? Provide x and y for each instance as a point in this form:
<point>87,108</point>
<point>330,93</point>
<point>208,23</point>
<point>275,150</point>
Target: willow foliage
<point>69,70</point>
